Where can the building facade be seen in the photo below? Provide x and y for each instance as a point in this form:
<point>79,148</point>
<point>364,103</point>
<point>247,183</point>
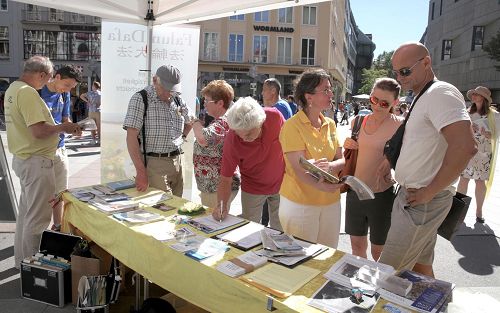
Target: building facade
<point>247,49</point>
<point>456,32</point>
<point>27,30</point>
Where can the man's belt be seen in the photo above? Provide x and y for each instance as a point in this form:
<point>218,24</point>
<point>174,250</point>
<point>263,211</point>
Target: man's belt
<point>164,155</point>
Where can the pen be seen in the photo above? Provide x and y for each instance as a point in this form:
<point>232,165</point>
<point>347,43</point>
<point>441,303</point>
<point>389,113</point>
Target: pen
<point>220,216</point>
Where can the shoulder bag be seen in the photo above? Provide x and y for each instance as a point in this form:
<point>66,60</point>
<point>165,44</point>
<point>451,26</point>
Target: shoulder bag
<point>351,155</point>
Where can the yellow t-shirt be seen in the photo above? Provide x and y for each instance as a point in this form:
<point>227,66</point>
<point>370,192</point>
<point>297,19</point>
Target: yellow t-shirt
<point>23,108</point>
<point>298,134</point>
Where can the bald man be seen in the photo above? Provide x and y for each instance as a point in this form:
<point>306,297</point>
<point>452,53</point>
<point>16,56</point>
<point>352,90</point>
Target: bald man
<point>437,145</point>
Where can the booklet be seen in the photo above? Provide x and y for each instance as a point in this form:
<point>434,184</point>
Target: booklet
<point>208,224</point>
<point>427,294</point>
<point>333,297</point>
<point>247,236</point>
<point>359,187</point>
<point>121,184</point>
<point>138,216</point>
<point>242,264</point>
<point>348,266</point>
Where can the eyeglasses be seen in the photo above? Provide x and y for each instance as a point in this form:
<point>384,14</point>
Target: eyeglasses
<point>382,103</point>
<point>205,101</point>
<point>406,71</point>
<point>326,91</point>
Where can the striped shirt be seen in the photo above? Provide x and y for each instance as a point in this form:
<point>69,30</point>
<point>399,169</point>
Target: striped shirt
<point>164,121</point>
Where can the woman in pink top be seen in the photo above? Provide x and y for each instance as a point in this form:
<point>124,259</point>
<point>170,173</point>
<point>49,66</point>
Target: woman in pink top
<point>375,214</point>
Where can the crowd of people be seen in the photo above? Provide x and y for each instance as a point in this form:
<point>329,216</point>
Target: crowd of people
<point>258,149</point>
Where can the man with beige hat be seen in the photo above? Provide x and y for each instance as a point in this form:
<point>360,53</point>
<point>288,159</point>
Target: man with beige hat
<point>481,168</point>
<point>157,121</point>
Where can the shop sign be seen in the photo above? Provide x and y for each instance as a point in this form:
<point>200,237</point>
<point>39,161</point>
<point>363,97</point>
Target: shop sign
<point>278,29</point>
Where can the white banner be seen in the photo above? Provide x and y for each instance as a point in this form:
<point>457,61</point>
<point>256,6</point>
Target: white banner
<point>124,72</point>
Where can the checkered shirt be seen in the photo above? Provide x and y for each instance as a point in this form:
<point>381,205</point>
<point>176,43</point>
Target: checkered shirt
<point>164,121</point>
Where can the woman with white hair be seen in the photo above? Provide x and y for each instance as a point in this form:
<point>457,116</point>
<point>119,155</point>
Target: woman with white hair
<point>486,127</point>
<point>252,144</point>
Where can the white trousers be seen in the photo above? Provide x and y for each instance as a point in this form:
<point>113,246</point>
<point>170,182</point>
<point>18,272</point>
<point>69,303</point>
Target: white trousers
<point>320,224</point>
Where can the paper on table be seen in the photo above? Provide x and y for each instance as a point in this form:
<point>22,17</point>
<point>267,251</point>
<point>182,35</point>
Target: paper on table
<point>280,281</point>
<point>190,244</point>
<point>208,224</point>
<point>246,236</point>
<point>311,250</point>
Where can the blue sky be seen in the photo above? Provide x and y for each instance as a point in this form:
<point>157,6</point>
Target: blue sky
<point>391,22</point>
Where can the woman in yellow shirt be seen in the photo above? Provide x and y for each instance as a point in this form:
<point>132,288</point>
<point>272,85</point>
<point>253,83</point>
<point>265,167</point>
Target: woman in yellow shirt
<point>310,208</point>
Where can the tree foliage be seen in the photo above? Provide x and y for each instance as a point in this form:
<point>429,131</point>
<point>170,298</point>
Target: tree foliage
<point>493,49</point>
<point>381,67</point>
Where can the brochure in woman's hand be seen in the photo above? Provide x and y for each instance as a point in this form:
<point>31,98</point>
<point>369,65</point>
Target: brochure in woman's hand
<point>359,187</point>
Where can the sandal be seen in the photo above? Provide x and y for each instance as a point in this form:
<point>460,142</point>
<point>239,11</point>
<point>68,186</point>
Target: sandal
<point>480,220</point>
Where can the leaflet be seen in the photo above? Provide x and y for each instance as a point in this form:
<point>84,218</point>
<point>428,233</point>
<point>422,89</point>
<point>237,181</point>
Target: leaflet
<point>247,236</point>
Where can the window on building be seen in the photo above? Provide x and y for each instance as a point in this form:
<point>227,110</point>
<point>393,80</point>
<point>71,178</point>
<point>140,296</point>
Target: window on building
<point>239,17</point>
<point>262,16</point>
<point>77,18</point>
<point>284,50</point>
<point>56,15</point>
<point>235,48</point>
<point>33,13</point>
<point>446,49</point>
<point>97,20</point>
<point>309,15</point>
<point>62,45</point>
<point>4,42</point>
<point>477,37</point>
<point>260,49</point>
<point>432,10</point>
<point>3,5</point>
<point>307,55</point>
<point>285,15</point>
<point>441,8</point>
<point>211,46</point>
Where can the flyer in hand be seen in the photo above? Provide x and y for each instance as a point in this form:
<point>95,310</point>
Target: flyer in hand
<point>359,187</point>
<point>87,124</point>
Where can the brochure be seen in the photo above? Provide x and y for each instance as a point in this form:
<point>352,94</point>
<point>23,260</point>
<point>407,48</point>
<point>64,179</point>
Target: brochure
<point>208,248</point>
<point>113,207</point>
<point>242,264</point>
<point>121,184</point>
<point>273,251</point>
<point>426,295</point>
<point>188,244</point>
<point>359,187</point>
<point>138,216</point>
<point>247,236</point>
<point>333,297</point>
<point>285,242</point>
<point>311,250</point>
<point>208,224</point>
<point>348,266</point>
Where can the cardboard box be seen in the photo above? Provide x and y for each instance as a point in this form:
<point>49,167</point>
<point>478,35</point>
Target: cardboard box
<point>47,283</point>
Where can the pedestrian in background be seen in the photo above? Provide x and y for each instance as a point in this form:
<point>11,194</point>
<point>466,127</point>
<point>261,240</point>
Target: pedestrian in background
<point>486,125</point>
<point>93,101</point>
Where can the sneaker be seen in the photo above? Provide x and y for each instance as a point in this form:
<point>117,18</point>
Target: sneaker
<point>480,220</point>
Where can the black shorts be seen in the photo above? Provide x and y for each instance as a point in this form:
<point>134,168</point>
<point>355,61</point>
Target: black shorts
<point>374,214</point>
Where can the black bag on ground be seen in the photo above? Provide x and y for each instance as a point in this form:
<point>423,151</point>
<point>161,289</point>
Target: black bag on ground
<point>156,305</point>
<point>456,215</point>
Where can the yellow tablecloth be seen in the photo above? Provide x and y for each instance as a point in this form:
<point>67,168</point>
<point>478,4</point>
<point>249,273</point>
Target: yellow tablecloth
<point>198,283</point>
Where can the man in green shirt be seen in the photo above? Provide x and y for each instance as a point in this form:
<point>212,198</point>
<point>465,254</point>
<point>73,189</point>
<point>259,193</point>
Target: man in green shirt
<point>32,138</point>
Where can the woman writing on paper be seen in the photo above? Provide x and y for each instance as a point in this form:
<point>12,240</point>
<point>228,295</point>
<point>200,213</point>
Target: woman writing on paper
<point>481,168</point>
<point>377,128</point>
<point>207,149</point>
<point>310,208</point>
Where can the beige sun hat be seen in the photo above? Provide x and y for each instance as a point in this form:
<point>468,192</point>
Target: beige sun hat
<point>482,91</point>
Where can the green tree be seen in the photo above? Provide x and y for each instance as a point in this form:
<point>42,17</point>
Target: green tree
<point>493,49</point>
<point>381,67</point>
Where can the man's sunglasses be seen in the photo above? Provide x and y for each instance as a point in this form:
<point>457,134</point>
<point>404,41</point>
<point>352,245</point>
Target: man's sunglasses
<point>406,71</point>
<point>382,103</point>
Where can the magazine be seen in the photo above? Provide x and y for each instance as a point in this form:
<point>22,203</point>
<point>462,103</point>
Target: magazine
<point>359,187</point>
<point>333,297</point>
<point>427,294</point>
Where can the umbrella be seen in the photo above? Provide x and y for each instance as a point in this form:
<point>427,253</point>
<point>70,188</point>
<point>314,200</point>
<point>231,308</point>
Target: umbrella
<point>362,96</point>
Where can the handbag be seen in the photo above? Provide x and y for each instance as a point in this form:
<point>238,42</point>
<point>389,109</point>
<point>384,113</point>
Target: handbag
<point>392,147</point>
<point>456,215</point>
<point>351,155</point>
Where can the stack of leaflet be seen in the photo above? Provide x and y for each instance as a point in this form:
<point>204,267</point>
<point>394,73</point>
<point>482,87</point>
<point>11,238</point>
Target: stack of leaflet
<point>138,216</point>
<point>104,199</point>
<point>242,264</point>
<point>280,245</point>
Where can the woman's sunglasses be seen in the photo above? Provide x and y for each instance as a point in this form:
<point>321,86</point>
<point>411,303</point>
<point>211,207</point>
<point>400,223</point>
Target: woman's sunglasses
<point>406,71</point>
<point>382,103</point>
